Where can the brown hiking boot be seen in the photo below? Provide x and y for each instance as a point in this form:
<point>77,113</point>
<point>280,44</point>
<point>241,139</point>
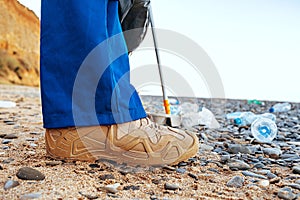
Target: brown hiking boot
<point>140,142</point>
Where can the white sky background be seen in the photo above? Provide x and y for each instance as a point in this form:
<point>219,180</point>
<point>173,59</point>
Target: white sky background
<point>254,44</point>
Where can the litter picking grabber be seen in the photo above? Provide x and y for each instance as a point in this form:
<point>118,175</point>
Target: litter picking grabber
<point>165,97</point>
<point>168,119</point>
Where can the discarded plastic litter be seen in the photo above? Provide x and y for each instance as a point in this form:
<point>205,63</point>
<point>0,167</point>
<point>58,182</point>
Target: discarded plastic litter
<point>7,104</point>
<point>254,101</point>
<point>191,116</point>
<point>247,118</point>
<point>281,107</point>
<point>264,130</point>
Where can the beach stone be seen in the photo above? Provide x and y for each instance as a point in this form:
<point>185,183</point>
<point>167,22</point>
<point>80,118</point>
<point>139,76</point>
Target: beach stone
<point>254,175</point>
<point>205,147</point>
<point>263,183</point>
<point>6,141</point>
<point>272,152</point>
<point>286,194</point>
<point>271,175</point>
<point>53,163</point>
<point>296,170</point>
<point>236,181</point>
<point>295,186</point>
<point>31,196</point>
<point>169,186</point>
<point>193,176</point>
<point>238,148</point>
<point>1,168</point>
<point>259,165</point>
<point>181,170</point>
<point>10,184</point>
<point>106,176</point>
<point>240,165</point>
<point>88,196</point>
<point>27,173</point>
<point>131,187</point>
<point>225,158</point>
<point>11,136</point>
<point>113,188</point>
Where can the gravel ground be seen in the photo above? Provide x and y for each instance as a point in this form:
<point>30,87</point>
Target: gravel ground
<point>230,163</point>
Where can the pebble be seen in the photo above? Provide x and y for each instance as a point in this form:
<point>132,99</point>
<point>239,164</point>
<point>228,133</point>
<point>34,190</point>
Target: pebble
<point>181,170</point>
<point>131,187</point>
<point>240,165</point>
<point>11,136</point>
<point>296,170</point>
<point>225,158</point>
<point>1,168</point>
<point>252,174</point>
<point>271,175</point>
<point>237,148</point>
<point>113,188</point>
<point>193,176</point>
<point>106,176</point>
<point>6,141</point>
<point>10,184</point>
<point>169,186</point>
<point>88,196</point>
<point>31,196</point>
<point>263,183</point>
<point>295,186</point>
<point>272,152</point>
<point>286,194</point>
<point>236,181</point>
<point>205,147</point>
<point>53,163</point>
<point>27,173</point>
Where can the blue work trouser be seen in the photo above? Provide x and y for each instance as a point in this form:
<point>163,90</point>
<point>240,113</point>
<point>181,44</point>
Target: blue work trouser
<point>84,65</point>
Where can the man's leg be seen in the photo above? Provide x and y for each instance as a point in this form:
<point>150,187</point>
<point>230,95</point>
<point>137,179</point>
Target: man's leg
<point>85,84</point>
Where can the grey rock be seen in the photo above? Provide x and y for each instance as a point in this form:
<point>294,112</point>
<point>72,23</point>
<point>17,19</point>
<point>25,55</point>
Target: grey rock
<point>271,175</point>
<point>254,175</point>
<point>31,196</point>
<point>10,184</point>
<point>181,170</point>
<point>53,163</point>
<point>236,181</point>
<point>237,148</point>
<point>11,136</point>
<point>296,170</point>
<point>295,186</point>
<point>169,186</point>
<point>259,165</point>
<point>225,158</point>
<point>297,181</point>
<point>272,152</point>
<point>286,194</point>
<point>27,173</point>
<point>240,165</point>
<point>205,147</point>
<point>6,141</point>
<point>131,187</point>
<point>88,196</point>
<point>106,176</point>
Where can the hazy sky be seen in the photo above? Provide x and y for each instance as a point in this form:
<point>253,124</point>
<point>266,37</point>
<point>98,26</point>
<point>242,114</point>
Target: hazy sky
<point>254,44</point>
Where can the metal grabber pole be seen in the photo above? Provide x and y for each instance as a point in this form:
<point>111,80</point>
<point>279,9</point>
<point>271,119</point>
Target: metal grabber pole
<point>165,97</point>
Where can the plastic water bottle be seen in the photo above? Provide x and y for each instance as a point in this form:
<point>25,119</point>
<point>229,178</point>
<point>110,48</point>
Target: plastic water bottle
<point>264,130</point>
<point>233,115</point>
<point>281,107</point>
<point>245,118</point>
<point>174,106</point>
